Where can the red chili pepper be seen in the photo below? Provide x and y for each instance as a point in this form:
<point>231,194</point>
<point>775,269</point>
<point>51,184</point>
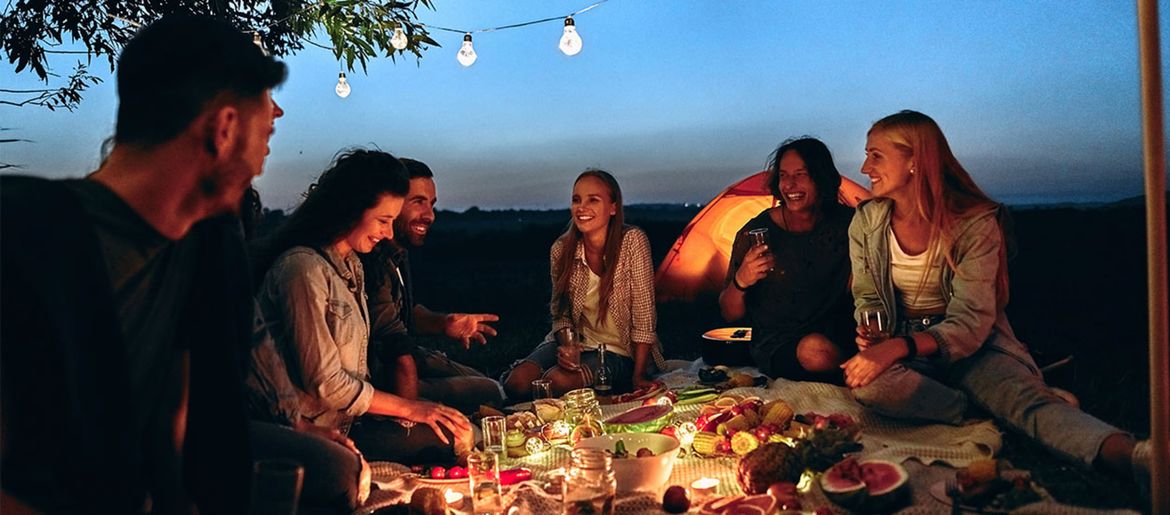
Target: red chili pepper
<point>513,476</point>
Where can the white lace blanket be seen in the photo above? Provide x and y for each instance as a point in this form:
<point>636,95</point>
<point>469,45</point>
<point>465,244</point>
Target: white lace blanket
<point>930,447</point>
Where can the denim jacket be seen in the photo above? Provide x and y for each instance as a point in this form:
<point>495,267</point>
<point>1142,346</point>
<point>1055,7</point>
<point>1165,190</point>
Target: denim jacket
<point>972,317</point>
<point>314,303</point>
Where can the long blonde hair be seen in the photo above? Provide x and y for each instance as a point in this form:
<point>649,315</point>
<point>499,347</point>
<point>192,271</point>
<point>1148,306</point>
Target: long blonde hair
<point>613,246</point>
<point>944,193</point>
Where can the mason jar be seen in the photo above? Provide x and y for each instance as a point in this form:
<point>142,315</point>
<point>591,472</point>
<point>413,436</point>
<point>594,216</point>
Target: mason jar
<point>589,485</point>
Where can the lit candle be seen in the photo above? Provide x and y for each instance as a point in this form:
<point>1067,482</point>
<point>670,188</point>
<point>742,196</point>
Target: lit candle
<point>454,499</point>
<point>702,488</point>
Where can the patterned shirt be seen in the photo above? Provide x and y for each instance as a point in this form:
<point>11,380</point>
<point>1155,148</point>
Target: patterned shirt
<point>631,302</point>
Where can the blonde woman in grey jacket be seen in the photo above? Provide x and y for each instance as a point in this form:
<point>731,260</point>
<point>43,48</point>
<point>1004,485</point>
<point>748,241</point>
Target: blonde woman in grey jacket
<point>928,250</point>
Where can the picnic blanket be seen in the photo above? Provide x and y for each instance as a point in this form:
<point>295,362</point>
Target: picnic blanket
<point>927,451</point>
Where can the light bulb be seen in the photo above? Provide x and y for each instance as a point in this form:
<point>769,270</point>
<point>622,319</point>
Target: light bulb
<point>256,40</point>
<point>570,41</point>
<point>342,87</point>
<point>398,40</point>
<point>466,55</point>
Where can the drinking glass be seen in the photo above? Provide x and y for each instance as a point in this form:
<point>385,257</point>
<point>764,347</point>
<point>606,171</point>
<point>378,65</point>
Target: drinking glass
<point>875,325</point>
<point>758,236</point>
<point>495,431</point>
<point>276,487</point>
<point>568,339</point>
<point>541,389</point>
<point>483,474</point>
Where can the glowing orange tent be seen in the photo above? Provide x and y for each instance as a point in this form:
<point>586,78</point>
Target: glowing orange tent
<point>697,262</point>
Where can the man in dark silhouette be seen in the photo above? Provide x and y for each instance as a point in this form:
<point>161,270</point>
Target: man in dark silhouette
<point>401,366</point>
<point>127,313</point>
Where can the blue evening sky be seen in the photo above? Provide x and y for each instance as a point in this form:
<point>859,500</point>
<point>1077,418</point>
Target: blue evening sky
<point>1039,99</point>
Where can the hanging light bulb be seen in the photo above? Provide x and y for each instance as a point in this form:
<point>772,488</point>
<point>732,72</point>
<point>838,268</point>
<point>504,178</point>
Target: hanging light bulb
<point>342,87</point>
<point>398,40</point>
<point>466,55</point>
<point>570,41</point>
<point>256,40</point>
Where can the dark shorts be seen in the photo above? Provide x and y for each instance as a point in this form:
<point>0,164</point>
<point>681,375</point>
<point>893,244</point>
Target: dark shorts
<point>621,367</point>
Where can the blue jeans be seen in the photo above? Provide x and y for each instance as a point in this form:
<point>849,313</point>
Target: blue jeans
<point>1007,387</point>
<point>331,471</point>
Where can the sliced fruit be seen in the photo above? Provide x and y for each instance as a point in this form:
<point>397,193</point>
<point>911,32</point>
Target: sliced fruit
<point>869,486</point>
<point>642,419</point>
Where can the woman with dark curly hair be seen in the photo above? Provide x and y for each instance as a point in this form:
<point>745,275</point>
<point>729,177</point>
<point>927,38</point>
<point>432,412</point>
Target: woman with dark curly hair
<point>313,298</point>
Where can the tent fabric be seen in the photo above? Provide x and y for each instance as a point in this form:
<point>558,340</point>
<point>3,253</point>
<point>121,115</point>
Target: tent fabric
<point>697,262</point>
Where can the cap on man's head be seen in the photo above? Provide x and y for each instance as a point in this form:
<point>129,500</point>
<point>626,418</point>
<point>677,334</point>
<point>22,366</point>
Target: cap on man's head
<point>170,70</point>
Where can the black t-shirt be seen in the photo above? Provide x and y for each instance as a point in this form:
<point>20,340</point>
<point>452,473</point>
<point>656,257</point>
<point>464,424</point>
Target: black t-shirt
<point>809,289</point>
<point>151,278</point>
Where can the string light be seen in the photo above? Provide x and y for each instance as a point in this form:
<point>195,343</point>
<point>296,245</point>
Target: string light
<point>398,40</point>
<point>259,42</point>
<point>466,55</point>
<point>570,41</point>
<point>342,88</point>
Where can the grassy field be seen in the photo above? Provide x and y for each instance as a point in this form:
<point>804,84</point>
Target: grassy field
<point>1078,288</point>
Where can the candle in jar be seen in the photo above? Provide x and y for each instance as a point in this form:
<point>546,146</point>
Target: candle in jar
<point>703,487</point>
<point>454,499</point>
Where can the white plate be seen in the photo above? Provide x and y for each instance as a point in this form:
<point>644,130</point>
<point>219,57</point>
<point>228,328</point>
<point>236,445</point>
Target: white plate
<point>727,334</point>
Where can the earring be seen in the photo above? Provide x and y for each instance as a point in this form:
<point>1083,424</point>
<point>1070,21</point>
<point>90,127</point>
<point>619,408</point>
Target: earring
<point>911,171</point>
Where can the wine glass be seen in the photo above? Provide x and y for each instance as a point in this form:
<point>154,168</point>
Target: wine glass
<point>875,325</point>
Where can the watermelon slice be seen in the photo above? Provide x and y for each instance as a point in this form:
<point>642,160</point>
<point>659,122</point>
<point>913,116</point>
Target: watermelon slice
<point>642,419</point>
<point>873,486</point>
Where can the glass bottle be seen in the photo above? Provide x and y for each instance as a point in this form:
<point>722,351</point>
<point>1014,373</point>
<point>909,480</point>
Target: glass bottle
<point>589,486</point>
<point>603,383</point>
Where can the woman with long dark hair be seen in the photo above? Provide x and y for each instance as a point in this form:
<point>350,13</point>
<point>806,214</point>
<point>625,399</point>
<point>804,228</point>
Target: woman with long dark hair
<point>929,251</point>
<point>602,288</point>
<point>313,299</point>
<point>793,290</point>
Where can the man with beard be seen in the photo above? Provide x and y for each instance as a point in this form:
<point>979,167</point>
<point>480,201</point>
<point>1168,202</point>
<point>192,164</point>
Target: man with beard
<point>126,302</point>
<point>401,366</point>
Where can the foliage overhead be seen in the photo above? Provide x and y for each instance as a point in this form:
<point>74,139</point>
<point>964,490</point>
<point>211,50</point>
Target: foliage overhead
<point>356,31</point>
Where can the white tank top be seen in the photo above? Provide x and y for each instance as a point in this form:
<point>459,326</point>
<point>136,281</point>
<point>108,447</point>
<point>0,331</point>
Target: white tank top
<point>919,292</point>
<point>592,332</point>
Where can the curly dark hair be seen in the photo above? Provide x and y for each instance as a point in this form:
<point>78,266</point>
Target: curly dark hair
<point>354,183</point>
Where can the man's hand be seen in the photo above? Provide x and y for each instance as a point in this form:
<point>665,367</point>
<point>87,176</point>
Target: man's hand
<point>467,327</point>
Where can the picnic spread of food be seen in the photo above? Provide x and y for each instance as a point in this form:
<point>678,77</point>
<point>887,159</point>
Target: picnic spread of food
<point>768,457</point>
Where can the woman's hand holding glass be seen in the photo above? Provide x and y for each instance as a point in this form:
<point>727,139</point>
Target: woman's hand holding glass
<point>874,327</point>
<point>437,416</point>
<point>757,262</point>
<point>568,349</point>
